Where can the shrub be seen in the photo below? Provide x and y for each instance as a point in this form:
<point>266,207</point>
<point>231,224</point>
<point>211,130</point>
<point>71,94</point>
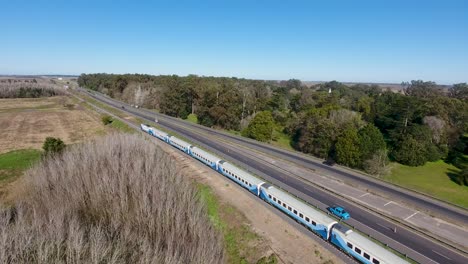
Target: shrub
<point>118,200</point>
<point>261,127</point>
<point>53,145</point>
<point>106,119</point>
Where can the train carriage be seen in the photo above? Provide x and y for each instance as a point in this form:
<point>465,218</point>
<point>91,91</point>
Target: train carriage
<point>159,134</point>
<point>312,218</point>
<point>242,177</point>
<point>205,157</point>
<point>155,132</point>
<point>180,144</point>
<point>361,247</point>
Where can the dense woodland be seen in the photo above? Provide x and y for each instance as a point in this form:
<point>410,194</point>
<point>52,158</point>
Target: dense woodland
<point>360,126</point>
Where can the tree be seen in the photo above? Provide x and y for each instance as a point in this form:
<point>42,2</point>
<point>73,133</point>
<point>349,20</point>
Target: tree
<point>437,127</point>
<point>422,89</point>
<point>347,148</point>
<point>459,91</point>
<point>53,145</point>
<point>344,118</point>
<point>371,141</point>
<point>314,133</point>
<point>410,151</point>
<point>377,164</point>
<point>463,177</point>
<point>261,127</point>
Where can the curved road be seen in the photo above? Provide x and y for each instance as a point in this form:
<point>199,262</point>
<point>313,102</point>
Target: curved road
<point>422,249</point>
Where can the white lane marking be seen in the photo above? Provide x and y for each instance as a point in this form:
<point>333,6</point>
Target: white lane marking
<point>388,203</point>
<point>410,216</point>
<point>364,195</point>
<point>441,255</point>
<point>382,226</point>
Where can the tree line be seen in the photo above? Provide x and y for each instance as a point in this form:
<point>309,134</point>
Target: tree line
<point>360,126</point>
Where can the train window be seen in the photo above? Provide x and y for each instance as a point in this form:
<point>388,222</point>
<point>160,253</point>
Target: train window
<point>313,223</point>
<point>375,261</point>
<point>269,196</point>
<point>250,185</point>
<point>284,205</point>
<point>274,199</point>
<point>301,215</point>
<point>295,212</point>
<point>349,245</point>
<point>357,250</point>
<point>366,255</point>
<point>307,219</point>
<point>289,208</point>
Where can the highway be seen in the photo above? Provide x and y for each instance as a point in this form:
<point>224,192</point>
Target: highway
<point>406,241</point>
<point>419,201</point>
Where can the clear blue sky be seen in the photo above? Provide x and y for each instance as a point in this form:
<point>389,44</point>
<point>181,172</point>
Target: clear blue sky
<point>376,41</point>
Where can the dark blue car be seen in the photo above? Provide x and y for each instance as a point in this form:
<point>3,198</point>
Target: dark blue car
<point>339,212</point>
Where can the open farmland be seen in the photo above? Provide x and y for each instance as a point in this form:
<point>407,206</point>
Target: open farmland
<point>25,123</point>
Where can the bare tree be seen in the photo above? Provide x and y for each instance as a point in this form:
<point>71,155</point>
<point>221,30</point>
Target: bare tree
<point>117,200</point>
<point>437,126</point>
<point>343,117</point>
<point>378,164</point>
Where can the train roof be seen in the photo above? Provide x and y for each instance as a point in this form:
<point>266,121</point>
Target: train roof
<point>205,153</point>
<point>369,246</point>
<point>301,206</point>
<point>162,133</point>
<point>242,173</point>
<point>179,141</point>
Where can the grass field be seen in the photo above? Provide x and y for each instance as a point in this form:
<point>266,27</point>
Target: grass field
<point>25,123</point>
<point>432,179</point>
<point>239,240</point>
<point>14,163</point>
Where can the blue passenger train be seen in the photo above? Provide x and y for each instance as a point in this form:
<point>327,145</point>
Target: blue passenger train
<point>354,244</point>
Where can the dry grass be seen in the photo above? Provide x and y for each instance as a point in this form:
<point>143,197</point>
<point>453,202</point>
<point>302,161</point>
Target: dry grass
<point>25,123</point>
<point>119,200</point>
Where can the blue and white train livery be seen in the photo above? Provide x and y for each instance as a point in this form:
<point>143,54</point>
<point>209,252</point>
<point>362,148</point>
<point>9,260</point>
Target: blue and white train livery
<point>180,144</point>
<point>362,248</point>
<point>242,177</point>
<point>354,244</point>
<point>205,157</point>
<point>312,218</point>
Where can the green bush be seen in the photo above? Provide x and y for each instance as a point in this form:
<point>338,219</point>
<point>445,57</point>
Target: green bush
<point>53,145</point>
<point>261,127</point>
<point>106,119</point>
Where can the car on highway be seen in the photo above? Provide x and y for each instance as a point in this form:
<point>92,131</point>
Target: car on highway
<point>339,212</point>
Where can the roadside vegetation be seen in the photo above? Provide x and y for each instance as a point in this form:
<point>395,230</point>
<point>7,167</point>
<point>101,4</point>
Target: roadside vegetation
<point>192,118</point>
<point>365,127</point>
<point>129,204</point>
<point>29,90</point>
<point>241,244</point>
<point>116,124</point>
